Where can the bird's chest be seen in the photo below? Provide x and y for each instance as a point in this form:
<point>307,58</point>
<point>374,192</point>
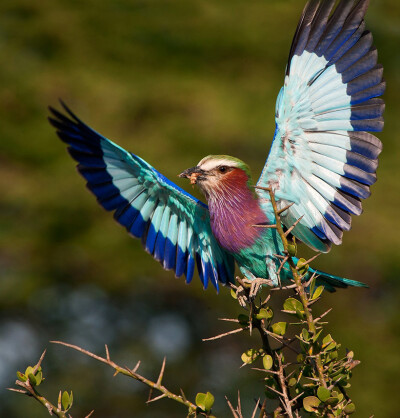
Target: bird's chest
<point>233,225</point>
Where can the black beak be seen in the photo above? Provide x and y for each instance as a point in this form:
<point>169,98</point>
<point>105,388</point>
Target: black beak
<point>187,173</point>
<point>193,174</point>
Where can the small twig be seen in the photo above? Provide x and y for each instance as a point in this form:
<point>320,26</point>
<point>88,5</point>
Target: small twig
<point>29,390</point>
<point>285,394</point>
<point>133,374</point>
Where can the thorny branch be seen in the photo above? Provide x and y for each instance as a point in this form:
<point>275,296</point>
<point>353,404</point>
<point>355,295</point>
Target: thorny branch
<point>298,281</point>
<point>133,373</point>
<point>307,384</point>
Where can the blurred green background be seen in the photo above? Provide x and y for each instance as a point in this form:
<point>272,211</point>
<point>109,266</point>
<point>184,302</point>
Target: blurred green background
<point>171,81</point>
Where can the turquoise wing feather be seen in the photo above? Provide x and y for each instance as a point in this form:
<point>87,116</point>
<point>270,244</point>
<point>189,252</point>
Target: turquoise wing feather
<point>322,159</point>
<point>173,226</point>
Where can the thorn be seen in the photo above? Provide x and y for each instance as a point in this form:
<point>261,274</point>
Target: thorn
<point>312,259</point>
<point>279,256</point>
<point>18,391</point>
<point>183,394</point>
<point>274,390</point>
<point>234,413</point>
<point>263,370</point>
<point>265,226</point>
<point>163,395</point>
<point>266,300</point>
<point>161,375</point>
<point>150,395</point>
<point>323,315</point>
<point>292,286</point>
<point>281,267</point>
<point>36,368</point>
<point>235,331</point>
<point>239,403</point>
<point>135,369</point>
<point>228,319</point>
<point>285,208</point>
<point>255,409</point>
<point>90,414</point>
<point>116,372</point>
<point>295,398</point>
<point>59,400</point>
<point>107,353</point>
<point>293,226</point>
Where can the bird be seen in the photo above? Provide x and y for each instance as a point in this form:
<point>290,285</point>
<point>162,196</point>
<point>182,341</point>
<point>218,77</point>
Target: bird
<point>321,164</point>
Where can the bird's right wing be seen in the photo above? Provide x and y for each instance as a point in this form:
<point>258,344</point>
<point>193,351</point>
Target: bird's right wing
<point>173,226</point>
<point>322,160</point>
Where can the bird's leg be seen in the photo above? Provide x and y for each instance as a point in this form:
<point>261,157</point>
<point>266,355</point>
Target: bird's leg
<point>241,293</point>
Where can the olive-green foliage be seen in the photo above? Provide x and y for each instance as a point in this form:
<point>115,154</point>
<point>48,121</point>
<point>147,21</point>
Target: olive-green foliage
<point>171,81</point>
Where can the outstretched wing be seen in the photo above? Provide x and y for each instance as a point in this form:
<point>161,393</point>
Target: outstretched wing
<point>322,158</point>
<point>173,226</point>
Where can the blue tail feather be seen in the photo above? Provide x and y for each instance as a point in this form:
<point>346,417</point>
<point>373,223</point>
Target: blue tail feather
<point>332,282</point>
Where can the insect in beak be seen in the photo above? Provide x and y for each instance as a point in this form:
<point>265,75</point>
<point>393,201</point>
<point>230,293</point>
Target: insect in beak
<point>194,174</point>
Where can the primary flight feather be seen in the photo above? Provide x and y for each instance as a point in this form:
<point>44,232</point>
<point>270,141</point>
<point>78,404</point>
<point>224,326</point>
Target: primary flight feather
<point>322,161</point>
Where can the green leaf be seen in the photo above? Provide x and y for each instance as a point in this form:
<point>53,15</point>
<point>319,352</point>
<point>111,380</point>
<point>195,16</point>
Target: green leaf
<point>292,249</point>
<point>333,400</point>
<point>349,409</point>
<point>317,292</point>
<point>292,382</point>
<point>21,377</point>
<point>316,336</point>
<point>265,313</point>
<point>233,294</point>
<point>292,304</point>
<point>311,403</point>
<point>312,285</point>
<point>32,379</point>
<point>250,356</point>
<point>302,266</point>
<point>39,377</point>
<point>67,400</point>
<point>305,334</point>
<point>323,393</point>
<point>267,362</point>
<point>205,401</point>
<point>29,370</point>
<point>327,340</point>
<point>279,328</point>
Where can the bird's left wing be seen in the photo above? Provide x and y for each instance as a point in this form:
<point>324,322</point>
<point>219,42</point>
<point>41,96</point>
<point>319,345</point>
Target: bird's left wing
<point>322,160</point>
<point>173,226</point>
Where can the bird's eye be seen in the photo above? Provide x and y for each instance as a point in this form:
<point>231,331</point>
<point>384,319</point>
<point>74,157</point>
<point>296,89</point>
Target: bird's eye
<point>222,169</point>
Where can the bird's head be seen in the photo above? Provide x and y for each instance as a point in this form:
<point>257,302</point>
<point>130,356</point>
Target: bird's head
<point>216,173</point>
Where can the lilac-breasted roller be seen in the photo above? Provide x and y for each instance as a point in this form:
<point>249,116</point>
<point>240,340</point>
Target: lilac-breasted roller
<point>322,161</point>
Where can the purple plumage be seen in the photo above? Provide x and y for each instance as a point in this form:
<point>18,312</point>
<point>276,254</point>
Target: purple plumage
<point>234,209</point>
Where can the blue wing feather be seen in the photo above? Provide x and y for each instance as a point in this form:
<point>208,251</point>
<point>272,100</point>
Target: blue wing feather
<point>322,159</point>
<point>173,226</point>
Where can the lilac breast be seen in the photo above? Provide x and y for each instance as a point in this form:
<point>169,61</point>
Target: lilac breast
<point>232,219</point>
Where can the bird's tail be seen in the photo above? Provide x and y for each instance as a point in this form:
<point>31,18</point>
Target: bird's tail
<point>331,282</point>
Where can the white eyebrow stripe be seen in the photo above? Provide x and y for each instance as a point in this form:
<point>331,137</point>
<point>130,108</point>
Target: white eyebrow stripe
<point>210,164</point>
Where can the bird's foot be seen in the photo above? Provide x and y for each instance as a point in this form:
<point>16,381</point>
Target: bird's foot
<point>253,287</point>
<point>256,284</point>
